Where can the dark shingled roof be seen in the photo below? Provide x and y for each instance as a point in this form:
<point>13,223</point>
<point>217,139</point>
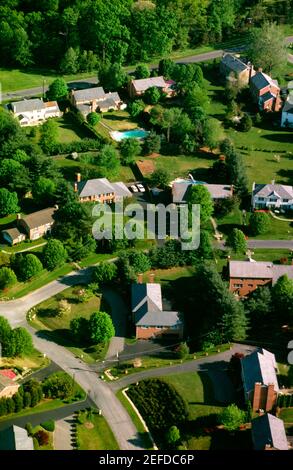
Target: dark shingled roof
<point>261,80</point>
<point>15,438</point>
<point>259,366</point>
<point>43,217</point>
<point>14,233</point>
<point>89,94</point>
<point>233,63</point>
<point>267,430</point>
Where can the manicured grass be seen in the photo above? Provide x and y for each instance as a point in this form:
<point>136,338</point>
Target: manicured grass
<point>26,245</point>
<point>95,258</point>
<point>119,121</point>
<point>44,405</point>
<point>45,277</point>
<point>286,414</point>
<point>165,275</point>
<point>34,361</point>
<point>258,254</point>
<point>50,445</point>
<point>95,434</point>
<point>147,444</point>
<point>7,220</point>
<point>68,130</point>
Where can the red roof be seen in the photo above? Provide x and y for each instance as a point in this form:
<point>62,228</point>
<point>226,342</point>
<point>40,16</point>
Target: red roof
<point>8,373</point>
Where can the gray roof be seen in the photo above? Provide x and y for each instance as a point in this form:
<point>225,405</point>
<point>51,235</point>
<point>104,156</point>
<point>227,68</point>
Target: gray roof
<point>268,430</point>
<point>267,190</point>
<point>259,270</point>
<point>43,217</point>
<point>89,94</point>
<point>98,186</point>
<point>144,83</point>
<point>146,301</point>
<point>15,438</point>
<point>27,105</point>
<point>107,103</point>
<point>14,233</point>
<point>217,191</point>
<point>261,80</point>
<point>234,63</point>
<point>260,366</point>
<point>288,106</point>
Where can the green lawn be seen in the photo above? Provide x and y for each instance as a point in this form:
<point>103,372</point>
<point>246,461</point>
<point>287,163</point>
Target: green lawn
<point>50,445</point>
<point>94,433</point>
<point>182,165</point>
<point>34,361</point>
<point>69,130</point>
<point>44,405</point>
<point>147,444</point>
<point>26,245</point>
<point>119,121</point>
<point>286,414</point>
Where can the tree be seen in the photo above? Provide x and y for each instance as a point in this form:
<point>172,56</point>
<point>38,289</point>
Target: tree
<point>136,108</point>
<point>142,71</point>
<point>7,278</point>
<point>172,436</point>
<point>18,402</point>
<point>104,273</point>
<point>182,350</point>
<point>245,123</point>
<point>259,223</point>
<point>212,132</point>
<point>28,266</point>
<point>237,241</point>
<point>112,76</point>
<point>129,149</point>
<point>237,172</point>
<point>58,385</point>
<point>268,48</point>
<point>195,98</point>
<point>54,254</point>
<point>8,202</point>
<point>79,328</point>
<point>22,341</point>
<point>160,178</point>
<point>166,68</point>
<point>152,95</point>
<point>43,191</point>
<point>232,417</point>
<point>109,161</point>
<point>205,249</point>
<point>93,118</point>
<point>101,328</point>
<point>5,334</point>
<point>57,90</point>
<point>282,295</point>
<point>70,62</point>
<point>42,437</point>
<point>198,194</point>
<point>139,261</point>
<point>152,143</point>
<point>49,135</point>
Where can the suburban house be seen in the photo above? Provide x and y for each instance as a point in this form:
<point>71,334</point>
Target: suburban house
<point>217,191</point>
<point>100,190</point>
<point>95,99</point>
<point>8,387</point>
<point>139,87</point>
<point>148,315</point>
<point>265,92</point>
<point>35,111</point>
<point>272,196</point>
<point>246,276</point>
<point>259,378</point>
<point>32,226</point>
<point>233,68</point>
<point>15,438</point>
<point>287,112</point>
<point>268,433</point>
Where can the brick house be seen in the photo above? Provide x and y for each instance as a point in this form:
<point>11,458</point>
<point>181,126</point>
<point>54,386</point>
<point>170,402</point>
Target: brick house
<point>265,92</point>
<point>100,190</point>
<point>150,319</point>
<point>139,87</point>
<point>95,99</point>
<point>233,68</point>
<point>259,378</point>
<point>272,196</point>
<point>246,276</point>
<point>268,433</point>
<point>8,387</point>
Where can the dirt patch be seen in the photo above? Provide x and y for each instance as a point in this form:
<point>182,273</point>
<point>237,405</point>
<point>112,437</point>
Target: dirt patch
<point>146,167</point>
<point>88,425</point>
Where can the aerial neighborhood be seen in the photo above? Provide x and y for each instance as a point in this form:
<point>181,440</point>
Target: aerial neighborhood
<point>116,333</point>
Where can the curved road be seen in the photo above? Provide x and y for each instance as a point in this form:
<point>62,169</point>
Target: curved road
<point>190,59</point>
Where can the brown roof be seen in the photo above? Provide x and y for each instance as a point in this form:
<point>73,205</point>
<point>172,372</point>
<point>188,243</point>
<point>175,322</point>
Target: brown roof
<point>14,233</point>
<point>43,217</point>
<point>146,167</point>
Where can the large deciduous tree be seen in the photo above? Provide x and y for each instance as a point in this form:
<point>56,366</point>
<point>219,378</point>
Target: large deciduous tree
<point>268,48</point>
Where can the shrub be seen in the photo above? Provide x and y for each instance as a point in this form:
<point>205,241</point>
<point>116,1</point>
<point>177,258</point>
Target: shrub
<point>259,223</point>
<point>93,118</point>
<point>42,437</point>
<point>49,425</point>
<point>29,429</point>
<point>182,350</point>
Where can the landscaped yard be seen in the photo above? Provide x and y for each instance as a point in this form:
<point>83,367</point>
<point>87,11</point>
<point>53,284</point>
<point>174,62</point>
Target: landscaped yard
<point>93,433</point>
<point>34,361</point>
<point>286,414</point>
<point>57,327</point>
<point>50,445</point>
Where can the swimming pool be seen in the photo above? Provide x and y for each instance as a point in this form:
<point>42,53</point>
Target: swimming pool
<point>135,134</point>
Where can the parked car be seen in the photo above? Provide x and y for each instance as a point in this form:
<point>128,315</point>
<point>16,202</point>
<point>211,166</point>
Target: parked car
<point>133,188</point>
<point>140,187</point>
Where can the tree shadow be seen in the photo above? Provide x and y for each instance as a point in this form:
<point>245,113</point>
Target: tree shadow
<point>61,336</point>
<point>238,440</point>
<point>80,85</point>
<point>47,312</point>
<point>279,138</point>
<point>227,228</point>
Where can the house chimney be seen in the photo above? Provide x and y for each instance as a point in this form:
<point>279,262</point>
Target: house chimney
<point>140,278</point>
<point>151,278</point>
<point>273,181</point>
<point>256,396</point>
<point>75,187</point>
<point>94,106</point>
<point>18,216</point>
<point>259,69</point>
<point>270,397</point>
<point>78,177</point>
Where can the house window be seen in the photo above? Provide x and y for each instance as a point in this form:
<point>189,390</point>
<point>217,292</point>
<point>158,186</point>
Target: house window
<point>237,285</point>
<point>250,285</point>
<point>273,199</point>
<point>285,200</point>
<point>261,198</point>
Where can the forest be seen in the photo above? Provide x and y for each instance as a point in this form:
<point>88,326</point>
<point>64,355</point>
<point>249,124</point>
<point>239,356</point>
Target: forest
<point>77,35</point>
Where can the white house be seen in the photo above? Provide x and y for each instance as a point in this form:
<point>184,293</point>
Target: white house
<point>287,112</point>
<point>35,111</point>
<point>272,196</point>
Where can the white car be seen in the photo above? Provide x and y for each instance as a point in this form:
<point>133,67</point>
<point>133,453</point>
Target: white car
<point>140,188</point>
<point>134,188</point>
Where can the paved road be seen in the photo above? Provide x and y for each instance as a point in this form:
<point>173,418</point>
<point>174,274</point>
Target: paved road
<point>93,80</point>
<point>196,365</point>
<point>119,313</point>
<point>270,244</point>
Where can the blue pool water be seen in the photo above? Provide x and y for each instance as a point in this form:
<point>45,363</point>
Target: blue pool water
<point>135,134</point>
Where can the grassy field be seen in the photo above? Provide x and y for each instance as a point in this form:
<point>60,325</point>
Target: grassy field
<point>44,405</point>
<point>119,121</point>
<point>34,361</point>
<point>286,414</point>
<point>94,433</point>
<point>50,445</point>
